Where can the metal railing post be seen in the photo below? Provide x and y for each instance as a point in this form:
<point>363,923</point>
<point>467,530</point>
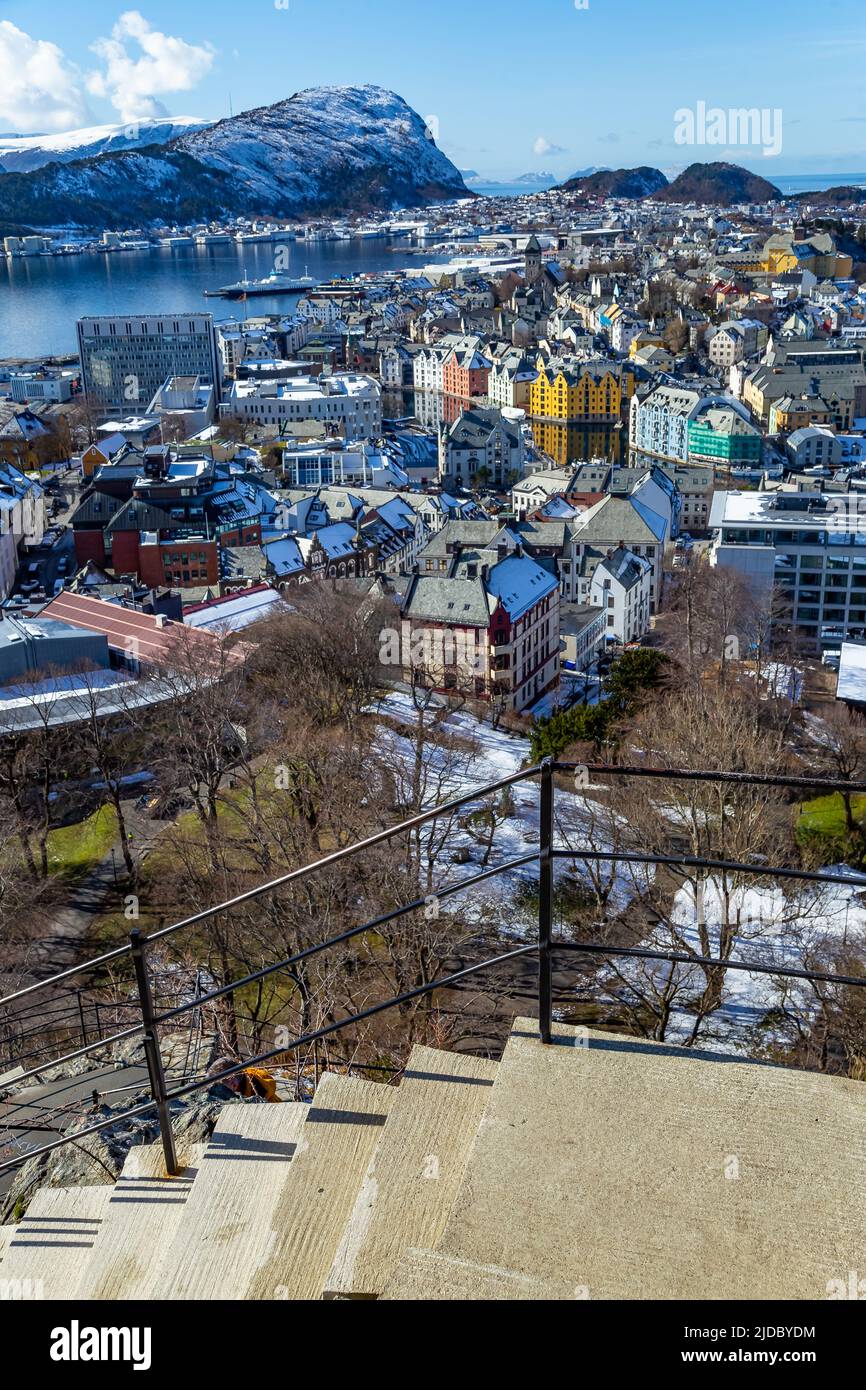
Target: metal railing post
<point>545,902</point>
<point>152,1053</point>
<point>84,1036</point>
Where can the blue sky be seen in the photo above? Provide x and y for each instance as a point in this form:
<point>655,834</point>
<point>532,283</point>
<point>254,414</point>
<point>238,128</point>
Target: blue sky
<point>513,86</point>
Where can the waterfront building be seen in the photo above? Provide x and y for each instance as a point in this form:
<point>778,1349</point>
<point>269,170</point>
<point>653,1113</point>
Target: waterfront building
<point>126,358</point>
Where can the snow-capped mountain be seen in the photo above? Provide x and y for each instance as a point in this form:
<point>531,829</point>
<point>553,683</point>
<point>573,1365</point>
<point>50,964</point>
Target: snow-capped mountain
<point>21,153</point>
<point>537,176</point>
<point>324,150</point>
<point>327,142</point>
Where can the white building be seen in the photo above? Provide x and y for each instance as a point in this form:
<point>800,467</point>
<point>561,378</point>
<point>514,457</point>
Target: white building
<point>24,506</point>
<point>349,403</point>
<point>427,368</point>
<point>509,381</point>
<point>808,546</point>
<point>40,386</point>
<point>188,399</point>
<point>620,585</point>
<point>536,489</point>
<point>612,523</point>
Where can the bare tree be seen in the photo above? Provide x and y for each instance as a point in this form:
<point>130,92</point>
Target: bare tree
<point>703,726</point>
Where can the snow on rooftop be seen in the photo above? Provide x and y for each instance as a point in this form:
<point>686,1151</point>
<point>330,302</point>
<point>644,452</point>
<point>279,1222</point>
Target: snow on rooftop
<point>851,684</point>
<point>235,611</point>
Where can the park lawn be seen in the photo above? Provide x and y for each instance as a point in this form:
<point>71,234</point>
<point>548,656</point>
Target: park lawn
<point>73,850</point>
<point>826,815</point>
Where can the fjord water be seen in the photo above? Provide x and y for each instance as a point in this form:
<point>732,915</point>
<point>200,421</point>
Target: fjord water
<point>42,296</point>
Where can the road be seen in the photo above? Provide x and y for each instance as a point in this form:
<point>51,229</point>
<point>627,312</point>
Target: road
<point>31,1118</point>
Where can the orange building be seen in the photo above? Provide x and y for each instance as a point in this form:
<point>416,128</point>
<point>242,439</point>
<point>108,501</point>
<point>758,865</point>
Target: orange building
<point>465,373</point>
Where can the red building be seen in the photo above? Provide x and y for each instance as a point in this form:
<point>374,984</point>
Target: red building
<point>465,372</point>
<point>165,519</point>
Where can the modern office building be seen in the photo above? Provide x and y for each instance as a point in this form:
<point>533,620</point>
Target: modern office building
<point>809,546</point>
<point>126,358</point>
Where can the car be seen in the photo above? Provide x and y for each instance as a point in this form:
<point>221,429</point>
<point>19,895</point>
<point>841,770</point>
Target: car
<point>58,587</point>
<point>30,586</point>
<point>63,566</point>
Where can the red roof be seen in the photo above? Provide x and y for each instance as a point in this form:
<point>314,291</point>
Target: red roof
<point>151,639</point>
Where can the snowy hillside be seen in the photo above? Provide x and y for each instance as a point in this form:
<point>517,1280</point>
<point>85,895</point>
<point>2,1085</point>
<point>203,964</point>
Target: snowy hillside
<point>327,142</point>
<point>326,150</point>
<point>22,153</point>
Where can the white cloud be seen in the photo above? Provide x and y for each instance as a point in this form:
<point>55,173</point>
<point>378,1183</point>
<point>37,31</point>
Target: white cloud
<point>141,64</point>
<point>40,91</point>
<point>543,146</point>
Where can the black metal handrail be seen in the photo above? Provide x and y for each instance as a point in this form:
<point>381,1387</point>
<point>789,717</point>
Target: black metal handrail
<point>545,856</point>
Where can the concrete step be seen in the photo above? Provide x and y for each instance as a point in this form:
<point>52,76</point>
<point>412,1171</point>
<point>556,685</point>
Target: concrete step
<point>54,1239</point>
<point>631,1169</point>
<point>6,1234</point>
<point>226,1223</point>
<point>141,1220</point>
<point>415,1170</point>
<point>344,1125</point>
<point>429,1276</point>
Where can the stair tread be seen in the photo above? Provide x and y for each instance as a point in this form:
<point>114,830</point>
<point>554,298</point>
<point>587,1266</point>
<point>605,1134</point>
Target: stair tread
<point>425,1275</point>
<point>343,1127</point>
<point>226,1222</point>
<point>54,1239</point>
<point>415,1170</point>
<point>6,1234</point>
<point>637,1170</point>
<point>141,1219</point>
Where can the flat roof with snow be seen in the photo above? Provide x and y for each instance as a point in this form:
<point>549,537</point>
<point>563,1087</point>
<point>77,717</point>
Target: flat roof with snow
<point>851,683</point>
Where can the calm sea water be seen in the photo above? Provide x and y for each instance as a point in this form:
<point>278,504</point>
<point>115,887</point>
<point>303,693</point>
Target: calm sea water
<point>41,297</point>
<point>788,183</point>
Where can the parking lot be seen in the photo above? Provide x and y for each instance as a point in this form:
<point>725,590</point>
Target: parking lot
<point>44,568</point>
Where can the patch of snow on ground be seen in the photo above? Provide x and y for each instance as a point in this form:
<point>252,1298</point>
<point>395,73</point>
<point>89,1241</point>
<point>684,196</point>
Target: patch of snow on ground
<point>774,930</point>
<point>500,902</point>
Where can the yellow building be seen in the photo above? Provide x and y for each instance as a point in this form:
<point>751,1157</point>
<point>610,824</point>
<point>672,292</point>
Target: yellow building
<point>578,393</point>
<point>782,253</point>
<point>648,337</point>
<point>796,412</point>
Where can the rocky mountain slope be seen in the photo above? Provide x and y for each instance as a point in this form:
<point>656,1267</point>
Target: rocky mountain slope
<point>19,154</point>
<point>325,150</point>
<point>842,195</point>
<point>718,185</point>
<point>617,183</point>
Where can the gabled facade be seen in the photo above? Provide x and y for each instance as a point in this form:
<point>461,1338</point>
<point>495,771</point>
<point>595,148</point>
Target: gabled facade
<point>488,627</point>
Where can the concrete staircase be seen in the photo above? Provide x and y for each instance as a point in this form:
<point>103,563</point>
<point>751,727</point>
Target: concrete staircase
<point>600,1166</point>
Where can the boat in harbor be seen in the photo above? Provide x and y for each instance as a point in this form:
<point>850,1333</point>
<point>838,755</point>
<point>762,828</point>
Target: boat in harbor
<point>277,283</point>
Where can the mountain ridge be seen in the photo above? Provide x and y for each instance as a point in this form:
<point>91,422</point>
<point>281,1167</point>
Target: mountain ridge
<point>324,150</point>
<point>21,154</point>
<point>720,184</point>
<point>640,182</point>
